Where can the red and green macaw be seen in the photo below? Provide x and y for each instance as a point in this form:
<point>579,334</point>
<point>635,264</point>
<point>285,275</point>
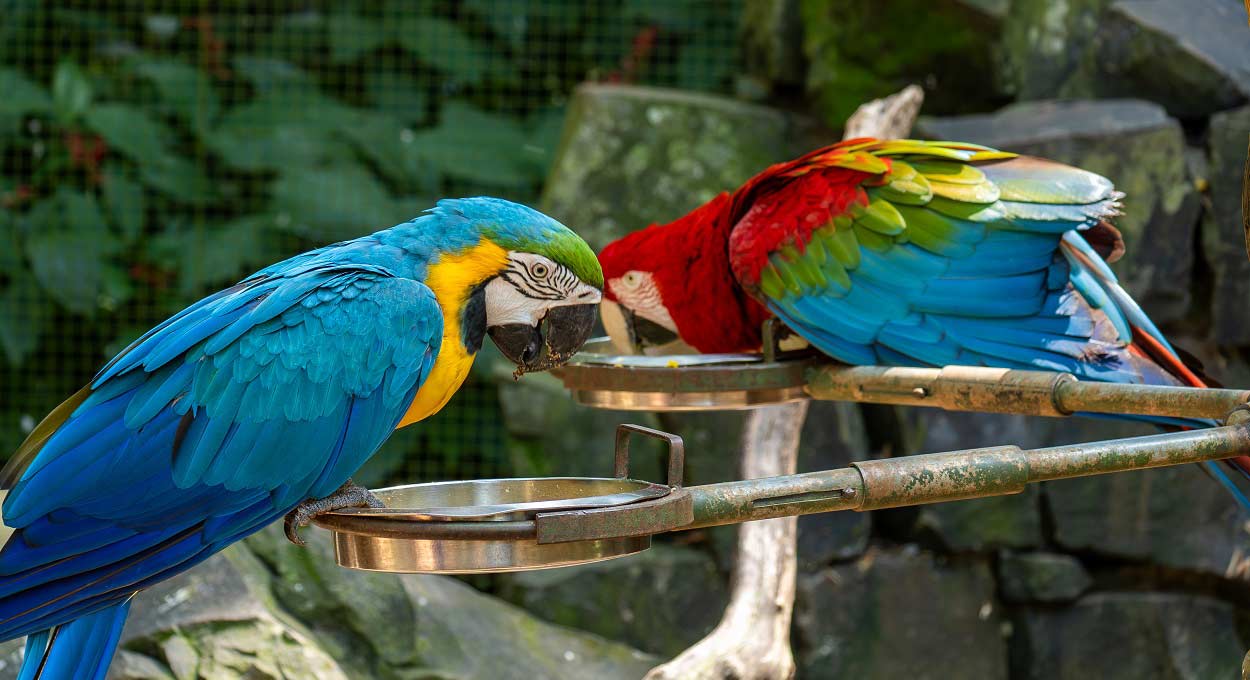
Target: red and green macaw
<point>901,252</point>
<point>240,408</point>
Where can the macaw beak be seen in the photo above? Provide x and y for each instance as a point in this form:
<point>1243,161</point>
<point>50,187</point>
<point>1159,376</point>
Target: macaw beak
<point>552,342</point>
<point>632,334</point>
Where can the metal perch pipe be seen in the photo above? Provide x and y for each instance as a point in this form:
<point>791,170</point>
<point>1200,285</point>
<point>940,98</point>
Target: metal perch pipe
<point>995,390</point>
<point>955,475</point>
<point>865,485</point>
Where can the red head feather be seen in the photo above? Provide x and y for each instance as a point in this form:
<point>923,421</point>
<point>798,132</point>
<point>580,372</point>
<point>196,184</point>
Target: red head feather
<point>693,261</point>
<point>689,262</point>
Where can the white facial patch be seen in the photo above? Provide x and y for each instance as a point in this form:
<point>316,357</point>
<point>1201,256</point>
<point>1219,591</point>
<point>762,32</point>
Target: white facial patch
<point>637,291</point>
<point>532,285</point>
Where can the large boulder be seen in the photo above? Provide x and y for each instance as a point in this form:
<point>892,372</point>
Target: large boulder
<point>1041,577</point>
<point>384,625</point>
<point>1223,242</point>
<point>293,613</point>
<point>1190,57</point>
<point>661,601</point>
<point>632,156</point>
<point>772,44</point>
<point>860,51</point>
<point>900,613</point>
<point>1176,517</point>
<point>984,524</point>
<point>1044,42</point>
<point>1173,516</point>
<point>470,635</point>
<point>1130,636</point>
<point>1137,146</point>
<point>216,621</point>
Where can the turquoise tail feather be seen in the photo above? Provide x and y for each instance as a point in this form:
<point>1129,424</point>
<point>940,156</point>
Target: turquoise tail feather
<point>78,650</point>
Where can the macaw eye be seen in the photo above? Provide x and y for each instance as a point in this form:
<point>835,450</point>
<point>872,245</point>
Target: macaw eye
<point>539,270</point>
<point>631,279</point>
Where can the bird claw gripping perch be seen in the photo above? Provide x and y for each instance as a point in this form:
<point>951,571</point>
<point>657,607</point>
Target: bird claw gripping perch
<point>347,496</point>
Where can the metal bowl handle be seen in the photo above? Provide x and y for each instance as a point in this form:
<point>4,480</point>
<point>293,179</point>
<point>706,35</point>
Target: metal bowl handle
<point>676,451</point>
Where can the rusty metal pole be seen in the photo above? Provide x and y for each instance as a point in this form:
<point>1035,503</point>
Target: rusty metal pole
<point>955,475</point>
<point>1000,390</point>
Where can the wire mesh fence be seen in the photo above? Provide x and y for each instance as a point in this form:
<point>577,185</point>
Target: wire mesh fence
<point>152,152</point>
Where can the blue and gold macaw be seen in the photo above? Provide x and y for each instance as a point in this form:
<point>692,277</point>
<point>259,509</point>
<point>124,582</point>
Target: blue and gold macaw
<point>240,408</point>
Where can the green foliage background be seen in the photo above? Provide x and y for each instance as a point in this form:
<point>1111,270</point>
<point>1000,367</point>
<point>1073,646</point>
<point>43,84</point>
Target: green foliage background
<point>151,152</point>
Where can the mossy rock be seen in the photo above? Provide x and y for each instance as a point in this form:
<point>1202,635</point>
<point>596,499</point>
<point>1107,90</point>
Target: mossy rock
<point>660,601</point>
<point>900,613</point>
<point>1223,240</point>
<point>1044,42</point>
<point>632,156</point>
<point>859,51</point>
<point>1138,147</point>
<point>1041,577</point>
<point>1130,636</point>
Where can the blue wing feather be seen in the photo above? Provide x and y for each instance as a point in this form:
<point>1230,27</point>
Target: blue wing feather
<point>1009,283</point>
<point>337,351</point>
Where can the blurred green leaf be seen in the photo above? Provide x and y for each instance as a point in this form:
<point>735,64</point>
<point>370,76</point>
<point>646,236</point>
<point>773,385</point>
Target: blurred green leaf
<point>509,19</point>
<point>131,131</point>
<point>293,108</point>
<point>99,25</point>
<point>124,199</point>
<point>352,35</point>
<point>300,32</point>
<point>179,179</point>
<point>71,91</point>
<point>23,317</point>
<point>546,129</point>
<point>332,205</point>
<point>125,337</point>
<point>274,133</point>
<point>679,16</point>
<point>20,95</point>
<point>391,146</point>
<point>184,88</point>
<point>215,254</point>
<point>397,95</point>
<point>276,148</point>
<point>69,247</point>
<point>703,64</point>
<point>478,146</point>
<point>10,250</point>
<point>445,46</point>
<point>273,76</point>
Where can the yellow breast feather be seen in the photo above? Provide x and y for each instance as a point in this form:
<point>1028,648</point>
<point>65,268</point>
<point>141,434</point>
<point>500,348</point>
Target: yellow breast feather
<point>452,278</point>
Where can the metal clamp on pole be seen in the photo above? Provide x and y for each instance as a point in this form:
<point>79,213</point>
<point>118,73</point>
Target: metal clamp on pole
<point>672,510</point>
<point>939,477</point>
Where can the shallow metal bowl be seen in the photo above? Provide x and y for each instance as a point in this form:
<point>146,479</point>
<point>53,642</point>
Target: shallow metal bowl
<point>599,377</point>
<point>480,525</point>
<point>493,525</point>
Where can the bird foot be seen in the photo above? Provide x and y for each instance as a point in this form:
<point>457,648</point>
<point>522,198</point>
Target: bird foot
<point>347,496</point>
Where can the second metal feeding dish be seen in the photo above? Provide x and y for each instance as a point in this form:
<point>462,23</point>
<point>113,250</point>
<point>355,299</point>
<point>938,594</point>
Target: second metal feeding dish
<point>494,525</point>
<point>600,377</point>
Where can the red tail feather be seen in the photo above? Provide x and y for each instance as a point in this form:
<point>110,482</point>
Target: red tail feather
<point>1147,345</point>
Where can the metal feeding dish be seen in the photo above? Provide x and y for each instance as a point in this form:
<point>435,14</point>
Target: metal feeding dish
<point>598,376</point>
<point>494,525</point>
